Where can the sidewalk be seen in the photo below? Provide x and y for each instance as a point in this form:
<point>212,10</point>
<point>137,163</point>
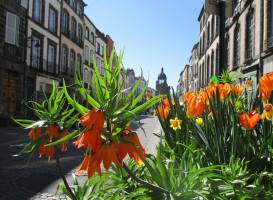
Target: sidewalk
<point>36,179</point>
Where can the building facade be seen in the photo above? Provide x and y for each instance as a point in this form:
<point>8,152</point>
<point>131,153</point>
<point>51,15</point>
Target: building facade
<point>72,38</point>
<point>13,45</point>
<point>248,39</point>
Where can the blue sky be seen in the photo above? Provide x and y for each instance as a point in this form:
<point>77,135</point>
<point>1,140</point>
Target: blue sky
<point>153,33</point>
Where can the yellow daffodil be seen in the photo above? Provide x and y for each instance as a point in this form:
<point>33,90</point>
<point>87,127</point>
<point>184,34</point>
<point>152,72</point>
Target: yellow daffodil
<point>268,112</point>
<point>200,121</point>
<point>248,84</point>
<point>175,123</point>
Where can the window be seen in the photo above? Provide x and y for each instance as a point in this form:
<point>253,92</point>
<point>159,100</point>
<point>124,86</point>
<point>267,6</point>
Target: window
<point>102,68</point>
<point>37,11</point>
<point>213,27</point>
<point>207,75</point>
<point>208,36</point>
<point>64,59</point>
<point>87,33</point>
<point>72,61</point>
<point>85,75</point>
<point>73,4</point>
<point>91,56</point>
<point>36,52</point>
<point>98,48</point>
<point>51,58</point>
<point>52,20</point>
<point>86,55</point>
<point>79,9</point>
<point>250,35</point>
<point>92,38</point>
<point>73,29</point>
<point>236,50</point>
<point>80,32</point>
<point>65,22</point>
<point>12,29</point>
<point>79,62</point>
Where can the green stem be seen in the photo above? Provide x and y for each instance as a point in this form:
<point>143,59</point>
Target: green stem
<point>144,183</point>
<point>57,157</point>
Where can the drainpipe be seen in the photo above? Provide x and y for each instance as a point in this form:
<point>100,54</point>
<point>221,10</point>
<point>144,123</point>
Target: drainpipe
<point>260,70</point>
<point>60,38</point>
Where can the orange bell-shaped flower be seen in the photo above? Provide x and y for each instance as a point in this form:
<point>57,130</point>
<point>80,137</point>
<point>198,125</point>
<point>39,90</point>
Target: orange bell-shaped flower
<point>249,120</point>
<point>266,85</point>
<point>34,133</point>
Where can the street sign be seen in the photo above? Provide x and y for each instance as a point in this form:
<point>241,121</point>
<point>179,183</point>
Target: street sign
<point>211,7</point>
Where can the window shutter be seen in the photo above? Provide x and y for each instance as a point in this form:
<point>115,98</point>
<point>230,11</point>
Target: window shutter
<point>11,24</point>
<point>24,3</point>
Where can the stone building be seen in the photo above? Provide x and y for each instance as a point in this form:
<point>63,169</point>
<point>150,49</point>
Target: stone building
<point>162,86</point>
<point>208,56</point>
<point>249,43</point>
<point>185,82</point>
<point>13,45</point>
<point>72,38</point>
<point>194,66</point>
<point>89,50</point>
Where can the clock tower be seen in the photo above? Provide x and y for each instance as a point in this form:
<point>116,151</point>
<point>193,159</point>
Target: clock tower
<point>161,83</point>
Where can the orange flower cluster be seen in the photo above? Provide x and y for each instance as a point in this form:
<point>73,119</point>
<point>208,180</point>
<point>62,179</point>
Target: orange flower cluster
<point>197,102</point>
<point>164,109</point>
<point>249,120</point>
<point>266,85</point>
<point>105,152</point>
<point>52,131</point>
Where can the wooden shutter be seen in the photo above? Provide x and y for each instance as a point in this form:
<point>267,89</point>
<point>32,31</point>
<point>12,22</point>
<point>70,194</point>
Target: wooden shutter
<point>11,26</point>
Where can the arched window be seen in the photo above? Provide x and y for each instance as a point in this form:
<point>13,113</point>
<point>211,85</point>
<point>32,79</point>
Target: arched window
<point>212,64</point>
<point>87,33</point>
<point>73,28</point>
<point>207,75</point>
<point>270,23</point>
<point>79,62</point>
<point>72,61</point>
<point>64,59</point>
<point>80,32</point>
<point>92,38</point>
<point>65,22</point>
<point>208,35</point>
<point>213,27</point>
<point>250,35</point>
<point>236,46</point>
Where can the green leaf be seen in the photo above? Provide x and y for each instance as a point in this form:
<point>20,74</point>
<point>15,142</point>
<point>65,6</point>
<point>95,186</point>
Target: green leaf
<point>64,139</point>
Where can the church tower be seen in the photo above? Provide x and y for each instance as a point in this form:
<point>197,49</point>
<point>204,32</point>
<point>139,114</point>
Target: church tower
<point>161,83</point>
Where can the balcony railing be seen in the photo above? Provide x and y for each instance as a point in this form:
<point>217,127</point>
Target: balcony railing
<point>44,66</point>
<point>13,52</point>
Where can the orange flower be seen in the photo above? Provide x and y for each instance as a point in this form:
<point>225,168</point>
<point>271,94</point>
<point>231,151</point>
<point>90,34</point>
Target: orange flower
<point>224,90</point>
<point>266,85</point>
<point>107,153</point>
<point>90,165</point>
<point>249,120</point>
<point>94,117</point>
<point>133,148</point>
<point>52,130</point>
<point>34,133</point>
<point>196,106</point>
<point>46,151</point>
<point>163,112</point>
<point>90,138</point>
<point>237,89</point>
<point>166,102</point>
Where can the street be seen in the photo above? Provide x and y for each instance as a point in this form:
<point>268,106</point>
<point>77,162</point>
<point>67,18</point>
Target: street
<point>38,178</point>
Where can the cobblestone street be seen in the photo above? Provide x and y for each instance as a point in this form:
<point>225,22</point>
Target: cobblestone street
<point>37,178</point>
